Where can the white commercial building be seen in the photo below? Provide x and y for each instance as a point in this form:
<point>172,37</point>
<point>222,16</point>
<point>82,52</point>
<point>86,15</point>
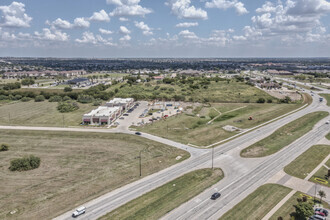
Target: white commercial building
<point>125,104</point>
<point>102,115</point>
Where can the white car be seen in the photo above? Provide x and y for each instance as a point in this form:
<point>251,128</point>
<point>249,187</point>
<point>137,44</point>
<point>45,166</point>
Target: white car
<point>79,211</point>
<point>327,122</point>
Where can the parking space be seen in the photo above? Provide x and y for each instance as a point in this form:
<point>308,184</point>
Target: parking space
<point>146,112</point>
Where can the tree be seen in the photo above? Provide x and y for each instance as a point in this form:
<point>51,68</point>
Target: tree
<point>304,210</point>
<point>261,100</point>
<point>322,194</point>
<point>27,82</point>
<point>67,89</point>
<point>39,98</point>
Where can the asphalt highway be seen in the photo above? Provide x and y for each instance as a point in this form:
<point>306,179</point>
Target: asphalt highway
<point>242,176</point>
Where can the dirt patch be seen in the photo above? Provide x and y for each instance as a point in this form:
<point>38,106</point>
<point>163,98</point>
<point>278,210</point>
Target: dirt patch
<point>282,93</point>
<point>253,152</point>
<point>232,128</point>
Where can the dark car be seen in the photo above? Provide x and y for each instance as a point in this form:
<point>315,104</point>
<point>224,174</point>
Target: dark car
<point>215,196</point>
<point>138,133</point>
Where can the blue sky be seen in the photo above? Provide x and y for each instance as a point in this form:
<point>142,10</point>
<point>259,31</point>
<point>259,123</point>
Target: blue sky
<point>168,28</point>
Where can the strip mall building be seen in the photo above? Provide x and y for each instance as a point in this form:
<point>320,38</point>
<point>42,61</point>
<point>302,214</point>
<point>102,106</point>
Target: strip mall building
<point>109,113</point>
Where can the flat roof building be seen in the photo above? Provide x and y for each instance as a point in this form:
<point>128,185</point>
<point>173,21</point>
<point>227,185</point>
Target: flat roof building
<point>125,103</point>
<point>102,115</point>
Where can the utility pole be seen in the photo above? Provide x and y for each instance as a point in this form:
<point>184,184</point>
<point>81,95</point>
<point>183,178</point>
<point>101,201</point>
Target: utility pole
<point>212,156</point>
<point>140,163</point>
<point>9,118</point>
<point>63,121</point>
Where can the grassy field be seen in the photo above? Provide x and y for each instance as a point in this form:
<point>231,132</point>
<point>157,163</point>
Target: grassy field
<point>40,114</point>
<point>320,174</point>
<point>308,161</point>
<point>287,210</point>
<point>257,204</point>
<point>284,136</point>
<point>158,202</point>
<point>193,128</point>
<point>75,168</point>
<point>232,92</point>
<point>327,97</point>
<point>328,136</point>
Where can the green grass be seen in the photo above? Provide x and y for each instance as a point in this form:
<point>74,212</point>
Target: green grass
<point>232,92</point>
<point>327,97</point>
<point>320,174</point>
<point>189,128</point>
<point>158,202</point>
<point>284,136</point>
<point>287,210</point>
<point>257,204</point>
<point>40,114</point>
<point>328,136</point>
<point>76,167</point>
<point>308,161</point>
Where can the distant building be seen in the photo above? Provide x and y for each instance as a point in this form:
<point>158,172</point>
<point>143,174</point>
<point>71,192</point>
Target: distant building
<point>119,102</point>
<point>44,73</point>
<point>159,78</point>
<point>78,81</point>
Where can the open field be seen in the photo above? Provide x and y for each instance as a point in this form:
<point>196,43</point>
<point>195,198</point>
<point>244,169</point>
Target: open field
<point>75,168</point>
<point>161,200</point>
<point>308,161</point>
<point>193,128</point>
<point>319,176</point>
<point>328,136</point>
<point>284,136</point>
<point>40,114</point>
<point>327,97</point>
<point>287,210</point>
<point>257,204</point>
<point>222,91</point>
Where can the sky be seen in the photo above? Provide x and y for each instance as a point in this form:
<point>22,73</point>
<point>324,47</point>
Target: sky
<point>164,28</point>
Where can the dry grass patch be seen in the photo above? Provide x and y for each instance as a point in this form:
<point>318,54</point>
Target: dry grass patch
<point>75,168</point>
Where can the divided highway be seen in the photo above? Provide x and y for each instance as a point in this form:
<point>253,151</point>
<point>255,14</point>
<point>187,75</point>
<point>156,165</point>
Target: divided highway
<point>242,176</point>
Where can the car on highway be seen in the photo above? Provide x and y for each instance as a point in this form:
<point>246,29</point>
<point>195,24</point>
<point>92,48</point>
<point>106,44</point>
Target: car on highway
<point>138,133</point>
<point>121,118</point>
<point>125,114</point>
<point>327,122</point>
<point>79,211</point>
<point>215,196</point>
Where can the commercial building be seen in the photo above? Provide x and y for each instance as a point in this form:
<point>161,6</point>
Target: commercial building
<point>123,103</point>
<point>109,113</point>
<point>102,115</point>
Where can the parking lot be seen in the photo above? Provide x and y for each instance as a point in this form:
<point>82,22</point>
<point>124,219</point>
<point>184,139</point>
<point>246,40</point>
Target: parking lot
<point>139,114</point>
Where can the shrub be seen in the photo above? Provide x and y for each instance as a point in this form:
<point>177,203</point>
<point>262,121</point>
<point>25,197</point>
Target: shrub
<point>3,97</point>
<point>97,102</point>
<point>66,98</point>
<point>269,100</point>
<point>67,106</point>
<point>25,99</point>
<point>4,147</point>
<point>85,98</point>
<point>27,81</point>
<point>39,98</point>
<point>26,163</point>
<point>67,89</point>
<point>261,100</point>
<point>55,98</point>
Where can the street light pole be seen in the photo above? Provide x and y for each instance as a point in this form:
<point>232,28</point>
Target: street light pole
<point>140,164</point>
<point>212,156</point>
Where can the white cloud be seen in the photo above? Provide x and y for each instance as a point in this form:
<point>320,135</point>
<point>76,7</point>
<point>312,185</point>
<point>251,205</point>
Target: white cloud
<point>225,4</point>
<point>100,16</point>
<point>64,24</point>
<point>123,19</point>
<point>124,30</point>
<point>146,30</point>
<point>183,9</point>
<point>128,8</point>
<point>14,15</point>
<point>90,38</point>
<point>104,31</point>
<point>188,35</point>
<point>50,35</point>
<point>187,24</point>
<point>81,23</point>
<point>125,38</point>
